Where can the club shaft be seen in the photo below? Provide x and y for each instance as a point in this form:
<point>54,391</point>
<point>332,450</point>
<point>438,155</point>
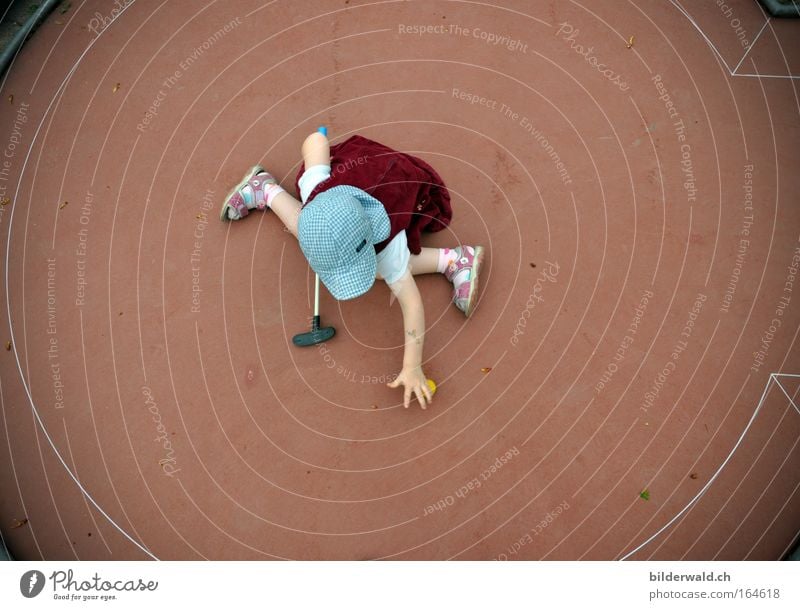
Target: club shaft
<point>316,295</point>
<point>324,131</point>
<point>315,325</point>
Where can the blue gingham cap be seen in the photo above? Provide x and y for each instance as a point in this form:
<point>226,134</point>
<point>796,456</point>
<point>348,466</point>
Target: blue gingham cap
<point>337,231</point>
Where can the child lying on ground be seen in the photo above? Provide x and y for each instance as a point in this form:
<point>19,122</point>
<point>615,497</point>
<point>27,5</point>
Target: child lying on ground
<point>362,209</point>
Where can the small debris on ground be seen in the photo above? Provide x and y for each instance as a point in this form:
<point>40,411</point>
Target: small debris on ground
<point>644,494</point>
<point>5,201</point>
<point>8,346</point>
<point>629,44</point>
<point>693,475</point>
<point>116,88</point>
<point>486,369</point>
<point>18,523</point>
<point>63,205</point>
<point>533,265</point>
<point>11,99</point>
<point>65,7</point>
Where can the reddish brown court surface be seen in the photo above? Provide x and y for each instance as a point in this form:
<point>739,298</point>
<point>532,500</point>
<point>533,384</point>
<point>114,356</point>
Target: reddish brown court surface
<point>626,389</point>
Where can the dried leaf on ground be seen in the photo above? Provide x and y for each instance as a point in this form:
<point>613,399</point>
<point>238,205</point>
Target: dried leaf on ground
<point>18,523</point>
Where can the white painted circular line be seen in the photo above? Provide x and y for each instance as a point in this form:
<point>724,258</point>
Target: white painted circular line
<point>11,325</point>
<point>710,481</point>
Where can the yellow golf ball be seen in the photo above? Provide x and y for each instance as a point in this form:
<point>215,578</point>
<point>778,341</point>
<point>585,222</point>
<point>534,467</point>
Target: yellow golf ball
<point>432,386</point>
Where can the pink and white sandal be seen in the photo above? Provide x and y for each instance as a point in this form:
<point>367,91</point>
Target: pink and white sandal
<point>257,178</point>
<point>464,272</point>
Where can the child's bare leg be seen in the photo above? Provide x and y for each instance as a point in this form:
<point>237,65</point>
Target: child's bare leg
<point>427,261</point>
<point>316,150</point>
<point>288,209</point>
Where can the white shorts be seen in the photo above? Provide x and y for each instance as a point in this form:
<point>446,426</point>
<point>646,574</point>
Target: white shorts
<point>311,178</point>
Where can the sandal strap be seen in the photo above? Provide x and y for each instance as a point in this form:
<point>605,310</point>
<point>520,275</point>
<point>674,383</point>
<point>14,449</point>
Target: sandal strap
<point>238,204</point>
<point>465,260</point>
<point>258,183</point>
<point>462,292</point>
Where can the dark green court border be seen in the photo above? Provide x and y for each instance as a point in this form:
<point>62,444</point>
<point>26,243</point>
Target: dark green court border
<point>782,8</point>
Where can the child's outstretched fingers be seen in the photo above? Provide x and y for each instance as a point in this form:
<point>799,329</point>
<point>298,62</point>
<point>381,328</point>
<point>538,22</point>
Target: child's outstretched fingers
<point>422,398</point>
<point>407,390</point>
<point>413,387</point>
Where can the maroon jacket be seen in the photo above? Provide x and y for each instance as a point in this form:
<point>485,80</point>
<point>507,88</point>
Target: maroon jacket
<point>413,194</point>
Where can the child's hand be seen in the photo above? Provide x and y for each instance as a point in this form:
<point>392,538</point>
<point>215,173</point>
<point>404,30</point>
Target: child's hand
<point>415,381</point>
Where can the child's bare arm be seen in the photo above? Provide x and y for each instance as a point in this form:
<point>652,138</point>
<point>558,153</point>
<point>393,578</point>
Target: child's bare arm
<point>412,377</point>
<point>407,293</point>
